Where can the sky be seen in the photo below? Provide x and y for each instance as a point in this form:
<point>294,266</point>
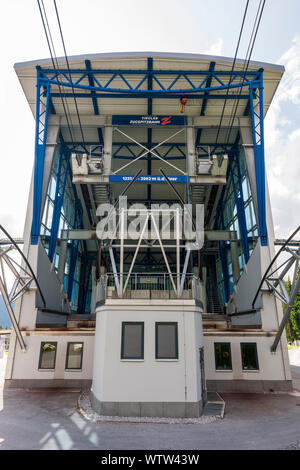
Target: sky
<point>195,26</point>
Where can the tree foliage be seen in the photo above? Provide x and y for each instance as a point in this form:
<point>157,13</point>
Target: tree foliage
<point>293,324</point>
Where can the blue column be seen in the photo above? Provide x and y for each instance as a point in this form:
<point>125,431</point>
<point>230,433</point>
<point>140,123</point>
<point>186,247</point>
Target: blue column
<point>58,202</point>
<point>41,121</point>
<point>240,207</point>
<point>223,252</point>
<point>257,118</point>
<point>74,247</point>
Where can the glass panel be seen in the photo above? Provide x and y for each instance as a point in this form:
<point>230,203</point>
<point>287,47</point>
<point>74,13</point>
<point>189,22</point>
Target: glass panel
<point>223,356</point>
<point>74,355</point>
<point>166,341</point>
<point>249,356</point>
<point>132,341</point>
<point>47,355</point>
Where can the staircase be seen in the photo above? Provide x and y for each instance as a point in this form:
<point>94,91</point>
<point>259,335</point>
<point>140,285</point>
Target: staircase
<point>101,193</point>
<point>197,193</point>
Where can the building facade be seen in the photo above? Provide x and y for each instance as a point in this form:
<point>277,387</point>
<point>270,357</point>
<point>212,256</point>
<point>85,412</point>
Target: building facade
<point>147,311</point>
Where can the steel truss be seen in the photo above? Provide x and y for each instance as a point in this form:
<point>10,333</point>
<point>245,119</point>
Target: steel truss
<point>24,279</point>
<point>152,215</point>
<point>102,80</point>
<point>257,120</point>
<point>199,85</point>
<point>272,282</point>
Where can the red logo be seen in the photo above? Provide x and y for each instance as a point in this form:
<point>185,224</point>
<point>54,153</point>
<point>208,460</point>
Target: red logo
<point>165,120</point>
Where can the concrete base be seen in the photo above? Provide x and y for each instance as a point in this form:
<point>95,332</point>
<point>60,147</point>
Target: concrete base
<point>147,409</point>
<point>249,386</point>
<point>48,383</point>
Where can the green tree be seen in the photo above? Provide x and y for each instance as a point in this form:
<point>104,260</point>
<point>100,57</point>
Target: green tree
<point>293,324</point>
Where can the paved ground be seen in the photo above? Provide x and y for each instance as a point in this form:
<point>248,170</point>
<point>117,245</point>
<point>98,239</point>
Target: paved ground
<point>49,420</point>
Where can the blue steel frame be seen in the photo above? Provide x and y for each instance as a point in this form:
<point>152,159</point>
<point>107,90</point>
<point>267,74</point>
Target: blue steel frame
<point>223,251</point>
<point>257,119</point>
<point>225,80</point>
<point>42,110</point>
<point>58,201</point>
<point>239,201</point>
<point>235,80</point>
<point>74,247</point>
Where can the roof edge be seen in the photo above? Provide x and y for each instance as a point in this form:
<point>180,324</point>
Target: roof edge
<point>171,55</point>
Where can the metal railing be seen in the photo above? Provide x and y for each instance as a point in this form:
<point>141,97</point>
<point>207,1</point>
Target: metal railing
<point>148,286</point>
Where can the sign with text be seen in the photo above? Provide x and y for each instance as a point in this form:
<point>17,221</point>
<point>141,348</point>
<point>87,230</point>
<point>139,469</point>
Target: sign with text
<point>148,178</point>
<point>140,120</point>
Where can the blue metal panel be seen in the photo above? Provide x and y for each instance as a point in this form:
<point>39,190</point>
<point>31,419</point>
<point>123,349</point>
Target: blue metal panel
<point>58,202</point>
<point>257,118</point>
<point>41,118</point>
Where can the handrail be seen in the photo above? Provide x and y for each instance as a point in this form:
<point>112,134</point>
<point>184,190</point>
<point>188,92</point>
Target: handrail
<point>27,263</point>
<point>272,262</point>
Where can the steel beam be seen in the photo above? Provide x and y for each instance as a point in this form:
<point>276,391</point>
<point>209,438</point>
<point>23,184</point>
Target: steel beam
<point>41,122</point>
<point>257,120</point>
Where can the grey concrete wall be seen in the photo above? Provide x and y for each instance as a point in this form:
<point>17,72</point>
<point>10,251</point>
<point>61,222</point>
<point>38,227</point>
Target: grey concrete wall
<point>245,290</point>
<point>51,289</point>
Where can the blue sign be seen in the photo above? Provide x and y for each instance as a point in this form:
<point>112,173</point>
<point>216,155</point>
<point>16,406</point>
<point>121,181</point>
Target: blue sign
<point>148,178</point>
<point>140,120</point>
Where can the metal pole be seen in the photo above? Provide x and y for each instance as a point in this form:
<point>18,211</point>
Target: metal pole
<point>186,262</point>
<point>178,253</point>
<point>136,252</point>
<point>113,263</point>
<point>121,251</point>
<point>164,254</point>
<point>234,257</point>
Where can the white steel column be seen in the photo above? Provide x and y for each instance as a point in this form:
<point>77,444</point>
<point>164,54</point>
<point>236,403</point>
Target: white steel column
<point>178,251</point>
<point>107,151</point>
<point>121,250</point>
<point>191,154</point>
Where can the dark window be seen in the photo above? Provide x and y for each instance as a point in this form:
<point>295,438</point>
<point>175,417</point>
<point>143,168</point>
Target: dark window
<point>47,355</point>
<point>132,346</point>
<point>249,356</point>
<point>223,356</point>
<point>166,341</point>
<point>74,356</point>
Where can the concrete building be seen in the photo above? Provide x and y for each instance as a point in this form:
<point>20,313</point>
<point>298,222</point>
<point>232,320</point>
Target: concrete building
<point>149,321</point>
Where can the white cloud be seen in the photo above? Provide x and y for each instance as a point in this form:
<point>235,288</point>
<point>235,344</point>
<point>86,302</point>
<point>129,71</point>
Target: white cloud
<point>282,141</point>
<point>216,48</point>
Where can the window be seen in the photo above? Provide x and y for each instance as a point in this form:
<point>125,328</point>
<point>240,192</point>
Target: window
<point>132,344</point>
<point>47,356</point>
<point>74,356</point>
<point>249,356</point>
<point>223,356</point>
<point>166,341</point>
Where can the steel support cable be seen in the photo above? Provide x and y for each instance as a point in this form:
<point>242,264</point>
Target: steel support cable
<point>69,71</point>
<point>53,63</point>
<point>232,69</point>
<point>59,81</point>
<point>246,63</point>
<point>244,71</point>
<point>272,262</point>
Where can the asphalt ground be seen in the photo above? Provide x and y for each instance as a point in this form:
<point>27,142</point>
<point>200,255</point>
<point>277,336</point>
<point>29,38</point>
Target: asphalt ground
<point>49,420</point>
